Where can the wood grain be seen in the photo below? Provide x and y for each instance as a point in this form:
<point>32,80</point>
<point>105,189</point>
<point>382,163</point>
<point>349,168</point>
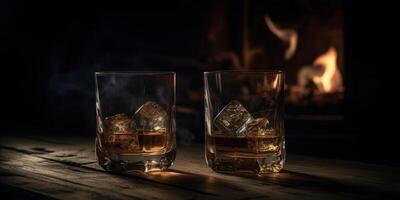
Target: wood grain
<point>65,168</point>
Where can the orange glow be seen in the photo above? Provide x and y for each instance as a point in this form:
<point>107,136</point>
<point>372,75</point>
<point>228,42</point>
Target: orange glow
<point>275,83</point>
<point>330,80</point>
<point>288,36</point>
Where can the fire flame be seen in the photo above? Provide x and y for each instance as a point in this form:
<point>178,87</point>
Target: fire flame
<point>275,83</point>
<point>288,36</point>
<point>331,79</point>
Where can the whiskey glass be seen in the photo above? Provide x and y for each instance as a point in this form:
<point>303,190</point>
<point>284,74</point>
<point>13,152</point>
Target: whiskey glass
<point>244,122</point>
<point>135,117</point>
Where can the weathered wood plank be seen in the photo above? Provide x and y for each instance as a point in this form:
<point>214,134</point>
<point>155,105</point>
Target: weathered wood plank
<point>64,181</point>
<point>71,163</point>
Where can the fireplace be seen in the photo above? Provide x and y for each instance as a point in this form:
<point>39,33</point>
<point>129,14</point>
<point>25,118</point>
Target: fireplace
<point>330,51</point>
<point>305,39</point>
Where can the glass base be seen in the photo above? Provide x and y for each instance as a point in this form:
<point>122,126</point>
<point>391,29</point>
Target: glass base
<point>233,165</point>
<point>130,162</point>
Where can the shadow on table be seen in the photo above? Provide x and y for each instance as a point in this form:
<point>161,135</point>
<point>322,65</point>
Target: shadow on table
<point>309,182</point>
<point>213,186</point>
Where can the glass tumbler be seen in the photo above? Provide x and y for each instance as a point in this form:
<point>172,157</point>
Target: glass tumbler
<point>244,125</point>
<point>135,116</point>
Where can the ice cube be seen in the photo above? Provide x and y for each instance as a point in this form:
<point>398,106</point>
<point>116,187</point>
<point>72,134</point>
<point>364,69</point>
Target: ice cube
<point>151,117</point>
<point>120,133</point>
<point>264,144</point>
<point>259,127</point>
<point>263,138</point>
<point>232,119</point>
<point>119,124</point>
<point>123,143</point>
<point>271,144</point>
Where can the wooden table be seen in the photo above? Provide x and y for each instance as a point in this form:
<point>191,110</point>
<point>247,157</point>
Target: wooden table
<point>65,168</point>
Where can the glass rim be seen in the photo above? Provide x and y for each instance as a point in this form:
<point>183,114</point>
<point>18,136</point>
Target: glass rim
<point>134,73</point>
<point>244,72</point>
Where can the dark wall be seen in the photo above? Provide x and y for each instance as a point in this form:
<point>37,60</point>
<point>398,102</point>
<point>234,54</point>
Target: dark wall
<point>370,108</point>
<point>51,49</point>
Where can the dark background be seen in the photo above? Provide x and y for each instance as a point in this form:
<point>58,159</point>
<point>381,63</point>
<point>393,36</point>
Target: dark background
<point>50,51</point>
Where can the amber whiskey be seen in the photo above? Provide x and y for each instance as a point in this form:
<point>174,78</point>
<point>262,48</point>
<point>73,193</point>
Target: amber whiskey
<point>259,154</point>
<point>140,143</point>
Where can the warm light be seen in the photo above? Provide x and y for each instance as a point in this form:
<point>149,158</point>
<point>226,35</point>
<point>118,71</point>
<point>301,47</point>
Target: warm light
<point>275,83</point>
<point>330,79</point>
<point>288,36</point>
